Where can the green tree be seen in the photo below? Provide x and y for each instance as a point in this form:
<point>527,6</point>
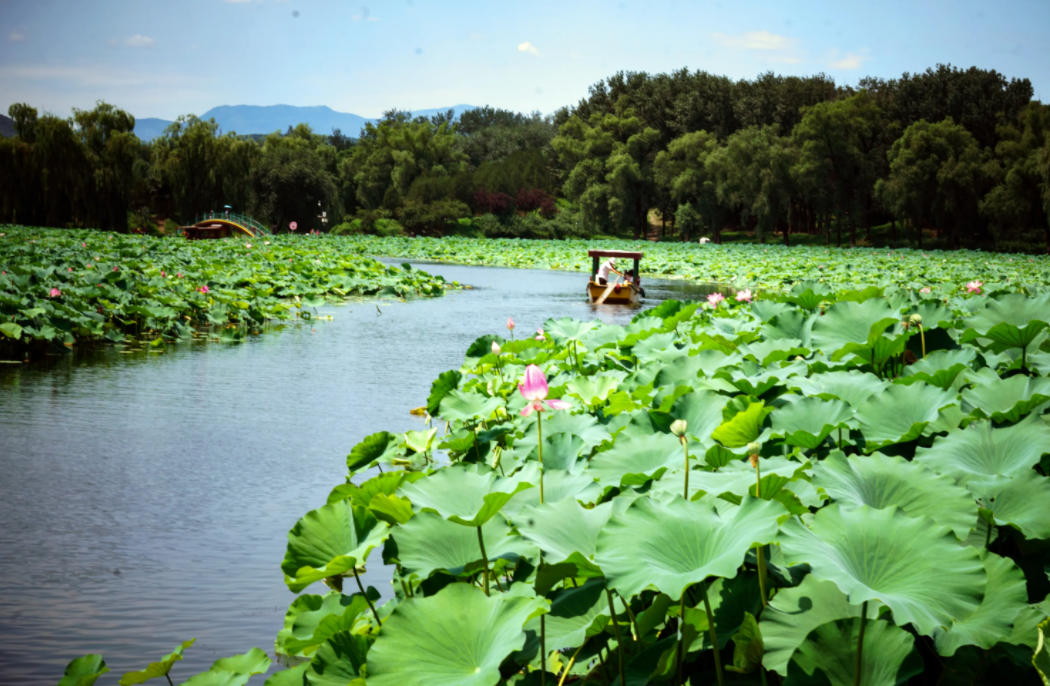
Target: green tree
<point>936,175</point>
<point>111,148</point>
<point>292,182</point>
<point>682,170</point>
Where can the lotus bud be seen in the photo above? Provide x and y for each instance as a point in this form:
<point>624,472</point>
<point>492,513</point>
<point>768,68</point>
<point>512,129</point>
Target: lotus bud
<point>679,426</point>
<point>916,319</point>
<point>496,350</point>
<point>799,358</point>
<point>753,449</point>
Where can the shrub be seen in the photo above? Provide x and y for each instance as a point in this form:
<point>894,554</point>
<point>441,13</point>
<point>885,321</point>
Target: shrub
<point>492,203</point>
<point>432,217</point>
<point>171,227</point>
<point>533,199</point>
<point>388,228</point>
<point>350,228</point>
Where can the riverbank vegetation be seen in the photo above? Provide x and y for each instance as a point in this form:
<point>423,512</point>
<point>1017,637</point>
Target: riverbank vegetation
<point>78,287</point>
<point>946,158</point>
<point>819,486</point>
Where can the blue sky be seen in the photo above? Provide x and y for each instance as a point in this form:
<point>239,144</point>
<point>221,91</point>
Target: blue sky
<point>162,58</point>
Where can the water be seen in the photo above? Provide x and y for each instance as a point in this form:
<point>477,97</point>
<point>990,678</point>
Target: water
<point>145,498</point>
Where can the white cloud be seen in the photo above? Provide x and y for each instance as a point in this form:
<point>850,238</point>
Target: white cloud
<point>852,60</point>
<point>755,40</point>
<point>16,36</point>
<point>529,47</point>
<point>139,41</point>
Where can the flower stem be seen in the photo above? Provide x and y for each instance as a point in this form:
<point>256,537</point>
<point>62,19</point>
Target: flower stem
<point>988,534</point>
<point>860,642</point>
<point>922,337</point>
<point>616,627</point>
<point>572,661</point>
<point>681,635</point>
<point>759,552</point>
<point>685,447</point>
<point>714,634</point>
<point>539,435</point>
<point>484,561</point>
<point>367,599</point>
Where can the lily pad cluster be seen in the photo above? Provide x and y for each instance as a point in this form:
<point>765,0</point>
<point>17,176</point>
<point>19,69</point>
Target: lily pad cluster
<point>78,286</point>
<point>763,267</point>
<point>835,487</point>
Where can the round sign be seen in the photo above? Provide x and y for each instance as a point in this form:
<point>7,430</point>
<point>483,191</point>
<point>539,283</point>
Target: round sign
<point>293,226</point>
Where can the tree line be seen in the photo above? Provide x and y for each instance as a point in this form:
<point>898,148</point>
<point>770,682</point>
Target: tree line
<point>955,156</point>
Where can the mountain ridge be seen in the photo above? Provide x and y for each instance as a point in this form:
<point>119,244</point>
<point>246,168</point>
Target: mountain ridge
<point>263,119</point>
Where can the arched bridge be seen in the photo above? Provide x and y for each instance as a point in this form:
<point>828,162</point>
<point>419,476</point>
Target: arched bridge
<point>221,224</point>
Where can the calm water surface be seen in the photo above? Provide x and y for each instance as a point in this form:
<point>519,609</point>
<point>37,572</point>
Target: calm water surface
<point>145,498</point>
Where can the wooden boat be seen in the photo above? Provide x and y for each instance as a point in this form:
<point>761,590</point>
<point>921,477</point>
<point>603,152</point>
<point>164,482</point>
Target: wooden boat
<point>611,294</point>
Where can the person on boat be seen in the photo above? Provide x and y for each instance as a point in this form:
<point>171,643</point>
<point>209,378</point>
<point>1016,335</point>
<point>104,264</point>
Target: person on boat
<point>631,279</point>
<point>604,270</point>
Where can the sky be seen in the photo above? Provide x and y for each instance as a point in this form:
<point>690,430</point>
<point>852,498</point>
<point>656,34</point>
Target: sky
<point>164,58</point>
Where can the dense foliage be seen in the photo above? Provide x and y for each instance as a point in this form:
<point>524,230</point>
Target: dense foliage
<point>824,486</point>
<point>955,157</point>
<point>740,266</point>
<point>81,287</point>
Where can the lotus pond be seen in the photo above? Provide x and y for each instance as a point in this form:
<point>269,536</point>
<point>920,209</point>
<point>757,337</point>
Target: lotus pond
<point>67,287</point>
<point>761,267</point>
<point>819,486</point>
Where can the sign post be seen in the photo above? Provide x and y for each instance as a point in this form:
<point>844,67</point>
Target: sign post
<point>293,226</point>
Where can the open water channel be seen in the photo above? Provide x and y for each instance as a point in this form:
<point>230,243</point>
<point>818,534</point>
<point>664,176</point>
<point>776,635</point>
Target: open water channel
<point>145,498</point>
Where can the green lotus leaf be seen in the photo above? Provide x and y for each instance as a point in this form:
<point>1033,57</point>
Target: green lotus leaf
<point>592,390</point>
<point>792,325</point>
<point>1025,631</point>
<point>330,541</point>
<point>312,619</point>
<point>219,677</point>
<point>851,322</point>
<point>1019,502</point>
<point>428,543</point>
<point>467,407</point>
<point>808,421</point>
<point>363,494</point>
<point>828,655</point>
<point>585,426</point>
<point>882,481</point>
<point>748,646</point>
<point>982,452</point>
<point>900,413</point>
<point>339,661</point>
<point>1005,597</point>
<point>567,329</point>
<point>646,456</point>
<point>685,370</point>
<point>941,368</point>
<point>769,351</point>
<point>744,427</point>
<point>560,452</point>
<point>293,676</point>
<point>442,386</point>
<point>854,387</point>
<point>795,612</point>
<point>255,661</point>
<point>557,486</point>
<point>457,637</point>
<point>156,669</point>
<point>84,671</point>
<point>575,615</point>
<point>462,496</point>
<point>731,601</point>
<point>738,477</point>
<point>378,446</point>
<point>672,545</point>
<point>751,379</point>
<point>914,566</point>
<point>702,411</point>
<point>1012,320</point>
<point>566,531</point>
<point>1006,400</point>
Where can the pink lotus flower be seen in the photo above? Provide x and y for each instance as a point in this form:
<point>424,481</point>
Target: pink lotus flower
<point>248,245</point>
<point>744,295</point>
<point>202,289</point>
<point>535,391</point>
<point>715,298</point>
<point>71,269</point>
<point>115,268</point>
<point>82,245</point>
<point>179,275</point>
<point>55,293</point>
<point>510,323</point>
<point>924,290</point>
<point>540,336</point>
<point>496,350</point>
<point>162,273</point>
<point>974,287</point>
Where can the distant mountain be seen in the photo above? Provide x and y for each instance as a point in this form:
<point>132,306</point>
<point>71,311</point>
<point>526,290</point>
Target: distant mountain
<point>7,127</point>
<point>255,119</point>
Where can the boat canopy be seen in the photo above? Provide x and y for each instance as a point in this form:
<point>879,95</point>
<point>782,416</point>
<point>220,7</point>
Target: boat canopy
<point>595,255</point>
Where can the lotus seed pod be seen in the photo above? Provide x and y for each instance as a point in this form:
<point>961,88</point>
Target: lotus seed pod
<point>679,426</point>
<point>754,447</point>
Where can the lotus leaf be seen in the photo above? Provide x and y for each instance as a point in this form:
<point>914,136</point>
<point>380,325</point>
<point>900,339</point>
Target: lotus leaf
<point>312,619</point>
<point>156,669</point>
<point>84,671</point>
<point>467,407</point>
<point>828,655</point>
<point>942,367</point>
<point>1005,597</point>
<point>795,612</point>
<point>1013,320</point>
<point>592,390</point>
<point>1006,400</point>
<point>458,637</point>
<point>982,452</point>
<point>744,427</point>
<point>293,676</point>
<point>915,567</point>
<point>339,661</point>
<point>673,545</point>
<point>854,387</point>
<point>442,386</point>
<point>631,455</point>
<point>900,414</point>
<point>737,478</point>
<point>852,322</point>
<point>575,615</point>
<point>428,543</point>
<point>378,446</point>
<point>881,481</point>
<point>1019,501</point>
<point>461,496</point>
<point>566,531</point>
<point>330,541</point>
<point>806,422</point>
<point>702,412</point>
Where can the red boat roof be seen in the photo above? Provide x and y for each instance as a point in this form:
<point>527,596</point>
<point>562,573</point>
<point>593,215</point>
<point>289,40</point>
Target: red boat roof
<point>626,254</point>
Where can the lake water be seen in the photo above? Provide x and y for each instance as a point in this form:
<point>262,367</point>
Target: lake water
<point>145,498</point>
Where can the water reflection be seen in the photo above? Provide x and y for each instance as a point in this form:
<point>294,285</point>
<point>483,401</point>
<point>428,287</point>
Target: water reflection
<point>146,496</point>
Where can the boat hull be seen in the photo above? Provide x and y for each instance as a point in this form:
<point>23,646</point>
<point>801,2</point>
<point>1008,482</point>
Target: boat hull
<point>624,296</point>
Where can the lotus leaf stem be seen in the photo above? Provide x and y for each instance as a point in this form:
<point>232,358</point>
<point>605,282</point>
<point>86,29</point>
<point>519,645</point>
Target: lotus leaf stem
<point>988,534</point>
<point>616,628</point>
<point>543,650</point>
<point>681,636</point>
<point>368,600</point>
<point>539,446</point>
<point>484,561</point>
<point>572,661</point>
<point>714,634</point>
<point>168,677</point>
<point>685,447</point>
<point>635,633</point>
<point>922,337</point>
<point>760,552</point>
<point>860,642</point>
